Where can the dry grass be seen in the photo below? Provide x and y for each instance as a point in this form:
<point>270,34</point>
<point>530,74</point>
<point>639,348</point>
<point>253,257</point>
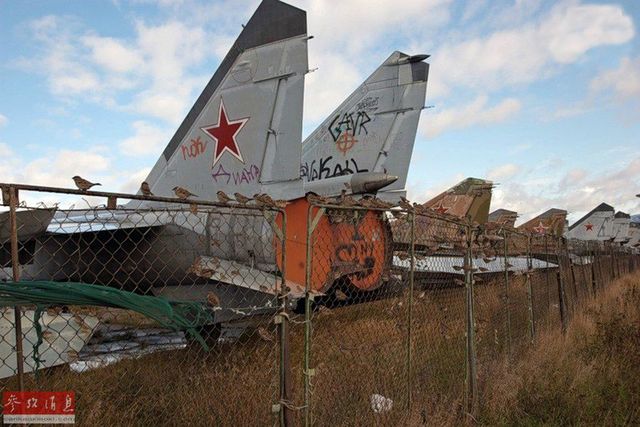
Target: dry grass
<point>588,376</point>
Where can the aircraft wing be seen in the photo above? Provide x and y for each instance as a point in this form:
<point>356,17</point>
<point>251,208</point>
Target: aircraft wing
<point>30,223</point>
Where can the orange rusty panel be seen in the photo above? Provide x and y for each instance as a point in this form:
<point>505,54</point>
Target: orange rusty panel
<point>365,245</point>
<point>296,246</point>
<point>336,248</point>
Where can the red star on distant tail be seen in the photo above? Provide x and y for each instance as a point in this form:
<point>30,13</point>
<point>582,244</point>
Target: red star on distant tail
<point>589,227</point>
<point>540,228</point>
<point>224,134</point>
<point>440,208</point>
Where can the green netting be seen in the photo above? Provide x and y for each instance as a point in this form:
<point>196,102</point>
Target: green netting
<point>176,315</point>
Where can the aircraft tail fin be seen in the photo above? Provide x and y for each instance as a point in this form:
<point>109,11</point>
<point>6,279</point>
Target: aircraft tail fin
<point>374,129</point>
<point>243,133</point>
<point>469,199</point>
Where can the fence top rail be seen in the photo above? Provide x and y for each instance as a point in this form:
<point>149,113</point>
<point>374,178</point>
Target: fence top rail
<point>60,190</point>
<point>395,209</point>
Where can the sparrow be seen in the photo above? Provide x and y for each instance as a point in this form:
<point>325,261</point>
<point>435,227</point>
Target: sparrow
<point>264,334</point>
<point>223,198</point>
<point>341,296</point>
<point>381,203</point>
<point>405,204</point>
<point>347,200</point>
<point>243,200</point>
<point>183,193</point>
<point>83,184</point>
<point>145,189</point>
<point>264,200</point>
<point>314,199</point>
<point>213,300</point>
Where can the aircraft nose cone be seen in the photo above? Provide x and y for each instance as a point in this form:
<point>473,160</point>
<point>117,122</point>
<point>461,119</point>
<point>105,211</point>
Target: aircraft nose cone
<point>376,181</point>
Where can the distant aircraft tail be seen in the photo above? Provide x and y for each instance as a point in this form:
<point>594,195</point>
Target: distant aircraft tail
<point>469,199</point>
<point>595,225</point>
<point>374,129</point>
<point>551,222</point>
<point>243,133</point>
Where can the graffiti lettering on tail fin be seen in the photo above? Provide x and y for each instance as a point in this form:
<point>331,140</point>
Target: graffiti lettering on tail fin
<point>345,142</point>
<point>322,169</point>
<point>349,122</point>
<point>243,176</point>
<point>194,149</point>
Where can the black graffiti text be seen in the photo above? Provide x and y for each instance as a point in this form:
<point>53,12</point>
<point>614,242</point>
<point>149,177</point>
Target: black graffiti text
<point>322,169</point>
<point>354,123</point>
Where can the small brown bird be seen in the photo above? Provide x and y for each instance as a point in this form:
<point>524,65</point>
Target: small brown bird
<point>341,296</point>
<point>145,189</point>
<point>405,204</point>
<point>183,193</point>
<point>264,200</point>
<point>83,184</point>
<point>242,199</point>
<point>264,334</point>
<point>280,204</point>
<point>314,199</point>
<point>347,200</point>
<point>213,300</point>
<point>378,203</point>
<point>223,198</point>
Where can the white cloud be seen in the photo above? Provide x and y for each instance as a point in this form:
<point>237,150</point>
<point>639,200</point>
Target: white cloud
<point>623,81</point>
<point>3,120</point>
<point>501,172</point>
<point>112,54</point>
<point>146,140</point>
<point>475,113</point>
<point>531,51</point>
<point>52,170</point>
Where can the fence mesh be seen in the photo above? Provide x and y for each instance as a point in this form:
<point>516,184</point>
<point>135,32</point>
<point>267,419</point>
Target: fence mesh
<point>336,311</point>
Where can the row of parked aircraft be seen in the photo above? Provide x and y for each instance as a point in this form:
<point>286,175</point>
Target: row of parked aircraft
<point>244,135</point>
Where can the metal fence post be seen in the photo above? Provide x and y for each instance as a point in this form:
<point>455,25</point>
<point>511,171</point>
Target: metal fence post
<point>546,271</point>
<point>410,314</point>
<point>471,391</point>
<point>532,325</point>
<point>561,294</point>
<point>312,222</point>
<point>15,266</point>
<point>507,303</point>
<point>286,415</point>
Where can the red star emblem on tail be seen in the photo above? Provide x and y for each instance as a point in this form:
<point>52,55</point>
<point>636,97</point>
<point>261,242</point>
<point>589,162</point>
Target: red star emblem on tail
<point>440,208</point>
<point>224,134</point>
<point>589,227</point>
<point>540,228</point>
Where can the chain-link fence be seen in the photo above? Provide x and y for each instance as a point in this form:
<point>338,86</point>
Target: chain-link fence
<point>326,311</point>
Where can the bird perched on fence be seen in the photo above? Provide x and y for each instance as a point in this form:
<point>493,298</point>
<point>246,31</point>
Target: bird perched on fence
<point>223,198</point>
<point>314,199</point>
<point>242,199</point>
<point>347,200</point>
<point>83,184</point>
<point>378,203</point>
<point>183,193</point>
<point>264,200</point>
<point>405,204</point>
<point>145,189</point>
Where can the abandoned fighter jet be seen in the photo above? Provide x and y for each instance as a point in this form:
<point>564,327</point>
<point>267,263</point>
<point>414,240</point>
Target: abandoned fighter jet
<point>243,135</point>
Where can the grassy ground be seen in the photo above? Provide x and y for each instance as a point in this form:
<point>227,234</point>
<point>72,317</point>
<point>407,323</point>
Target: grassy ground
<point>589,376</point>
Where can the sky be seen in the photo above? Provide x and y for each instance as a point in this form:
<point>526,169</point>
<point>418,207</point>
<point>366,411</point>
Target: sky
<point>542,97</point>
